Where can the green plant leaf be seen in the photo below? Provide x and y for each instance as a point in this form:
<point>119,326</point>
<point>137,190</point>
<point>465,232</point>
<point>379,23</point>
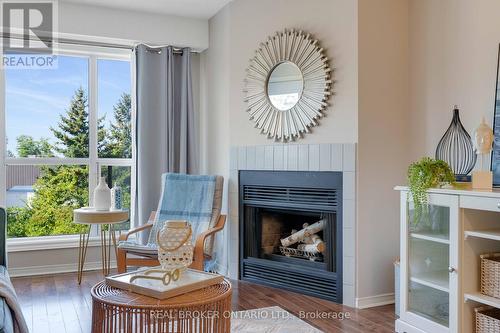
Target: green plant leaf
<point>423,175</point>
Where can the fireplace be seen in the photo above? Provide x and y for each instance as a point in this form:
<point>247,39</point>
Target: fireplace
<point>291,231</point>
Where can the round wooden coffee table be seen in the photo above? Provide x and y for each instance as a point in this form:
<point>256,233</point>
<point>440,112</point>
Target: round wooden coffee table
<point>201,311</point>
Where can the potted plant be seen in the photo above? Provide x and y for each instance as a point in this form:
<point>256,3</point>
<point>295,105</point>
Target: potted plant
<point>423,175</point>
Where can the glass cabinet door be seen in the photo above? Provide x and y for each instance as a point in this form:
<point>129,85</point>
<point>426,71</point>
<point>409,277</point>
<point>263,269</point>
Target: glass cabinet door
<point>428,263</point>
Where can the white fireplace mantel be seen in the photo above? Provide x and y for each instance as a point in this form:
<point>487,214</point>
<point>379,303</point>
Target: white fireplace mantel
<point>300,157</point>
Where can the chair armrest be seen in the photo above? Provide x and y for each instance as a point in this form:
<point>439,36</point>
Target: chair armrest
<point>200,240</point>
<point>125,236</point>
<point>148,225</point>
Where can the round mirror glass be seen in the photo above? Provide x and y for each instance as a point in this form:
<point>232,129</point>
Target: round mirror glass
<point>284,86</point>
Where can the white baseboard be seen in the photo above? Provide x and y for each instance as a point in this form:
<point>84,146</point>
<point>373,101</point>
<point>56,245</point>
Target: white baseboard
<point>372,301</point>
<point>55,269</point>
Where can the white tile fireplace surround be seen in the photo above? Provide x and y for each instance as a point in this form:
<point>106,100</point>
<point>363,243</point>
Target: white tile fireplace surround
<point>297,157</point>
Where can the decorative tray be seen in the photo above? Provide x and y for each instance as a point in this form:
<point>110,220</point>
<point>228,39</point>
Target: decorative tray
<point>190,280</point>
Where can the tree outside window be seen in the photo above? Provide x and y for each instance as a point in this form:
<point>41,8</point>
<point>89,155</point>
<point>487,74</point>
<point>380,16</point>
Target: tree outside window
<point>58,189</point>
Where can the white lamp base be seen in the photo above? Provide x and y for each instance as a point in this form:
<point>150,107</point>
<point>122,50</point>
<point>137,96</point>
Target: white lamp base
<point>482,180</point>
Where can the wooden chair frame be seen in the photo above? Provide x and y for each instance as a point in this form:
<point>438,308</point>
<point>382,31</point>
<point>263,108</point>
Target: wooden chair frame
<point>145,260</point>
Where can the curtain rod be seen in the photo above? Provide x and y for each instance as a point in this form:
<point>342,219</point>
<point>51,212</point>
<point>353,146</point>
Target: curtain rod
<point>117,46</point>
<point>97,44</point>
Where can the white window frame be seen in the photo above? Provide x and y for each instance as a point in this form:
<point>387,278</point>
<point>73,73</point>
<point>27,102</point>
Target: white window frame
<point>93,53</point>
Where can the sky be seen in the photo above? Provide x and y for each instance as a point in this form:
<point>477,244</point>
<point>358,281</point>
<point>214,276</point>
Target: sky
<point>35,98</point>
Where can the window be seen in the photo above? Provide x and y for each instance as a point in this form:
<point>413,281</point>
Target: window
<point>64,128</point>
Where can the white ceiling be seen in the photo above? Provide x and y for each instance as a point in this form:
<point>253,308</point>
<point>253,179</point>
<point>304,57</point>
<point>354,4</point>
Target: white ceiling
<point>203,9</point>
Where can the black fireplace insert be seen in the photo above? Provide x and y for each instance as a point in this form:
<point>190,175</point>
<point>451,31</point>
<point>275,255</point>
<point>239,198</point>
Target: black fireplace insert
<point>291,231</point>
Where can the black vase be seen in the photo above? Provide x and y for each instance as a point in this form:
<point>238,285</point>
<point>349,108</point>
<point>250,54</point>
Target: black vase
<point>456,148</point>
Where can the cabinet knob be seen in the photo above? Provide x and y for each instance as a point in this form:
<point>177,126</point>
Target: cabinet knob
<point>451,269</point>
<point>498,205</point>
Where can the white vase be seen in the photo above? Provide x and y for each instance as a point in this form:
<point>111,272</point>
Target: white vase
<point>102,195</point>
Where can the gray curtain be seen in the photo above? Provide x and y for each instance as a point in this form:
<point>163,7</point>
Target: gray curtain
<point>166,125</point>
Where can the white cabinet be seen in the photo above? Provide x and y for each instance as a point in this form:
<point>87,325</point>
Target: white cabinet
<point>429,265</point>
<point>440,264</point>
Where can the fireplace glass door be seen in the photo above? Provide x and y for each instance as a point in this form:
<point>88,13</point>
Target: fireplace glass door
<point>305,239</point>
<point>291,231</point>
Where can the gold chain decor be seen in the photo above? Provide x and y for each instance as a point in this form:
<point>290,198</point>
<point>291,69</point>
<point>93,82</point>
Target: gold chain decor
<point>175,252</point>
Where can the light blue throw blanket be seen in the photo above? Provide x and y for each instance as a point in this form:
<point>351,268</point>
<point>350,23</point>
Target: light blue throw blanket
<point>184,197</point>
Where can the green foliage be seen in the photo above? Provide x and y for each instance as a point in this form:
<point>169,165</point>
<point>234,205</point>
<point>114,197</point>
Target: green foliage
<point>73,128</point>
<point>425,174</point>
<point>18,218</point>
<point>57,192</point>
<point>73,132</point>
<point>120,135</point>
<point>27,146</point>
<point>60,189</point>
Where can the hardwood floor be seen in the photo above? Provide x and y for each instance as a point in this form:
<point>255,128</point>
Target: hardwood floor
<point>56,304</point>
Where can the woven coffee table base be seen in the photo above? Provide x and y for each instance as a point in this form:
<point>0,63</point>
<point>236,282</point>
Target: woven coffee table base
<point>206,310</point>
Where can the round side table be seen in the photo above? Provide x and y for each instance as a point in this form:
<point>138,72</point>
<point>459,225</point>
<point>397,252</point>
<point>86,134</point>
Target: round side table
<point>202,311</point>
<point>106,219</point>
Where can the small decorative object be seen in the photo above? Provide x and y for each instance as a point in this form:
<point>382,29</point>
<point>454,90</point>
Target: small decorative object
<point>310,245</point>
<point>287,85</point>
<point>116,197</point>
<point>483,141</point>
<point>307,231</point>
<point>175,252</point>
<point>425,174</point>
<point>313,244</point>
<point>456,149</point>
<point>102,195</point>
<point>165,276</point>
<point>175,248</point>
<point>154,284</point>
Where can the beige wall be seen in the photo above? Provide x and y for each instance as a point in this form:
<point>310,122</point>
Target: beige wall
<point>416,59</point>
<point>382,118</point>
<point>450,58</point>
<point>235,33</point>
<point>453,60</point>
<point>383,139</point>
<point>381,75</point>
<point>333,23</point>
<point>132,25</point>
<point>214,92</point>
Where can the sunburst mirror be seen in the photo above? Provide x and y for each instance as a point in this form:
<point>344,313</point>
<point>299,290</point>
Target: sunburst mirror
<point>287,85</point>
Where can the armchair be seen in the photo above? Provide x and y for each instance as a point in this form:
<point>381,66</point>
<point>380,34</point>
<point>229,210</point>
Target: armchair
<point>145,256</point>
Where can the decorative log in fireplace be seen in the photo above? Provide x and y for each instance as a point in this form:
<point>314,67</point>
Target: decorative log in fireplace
<point>306,232</point>
<point>291,231</point>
